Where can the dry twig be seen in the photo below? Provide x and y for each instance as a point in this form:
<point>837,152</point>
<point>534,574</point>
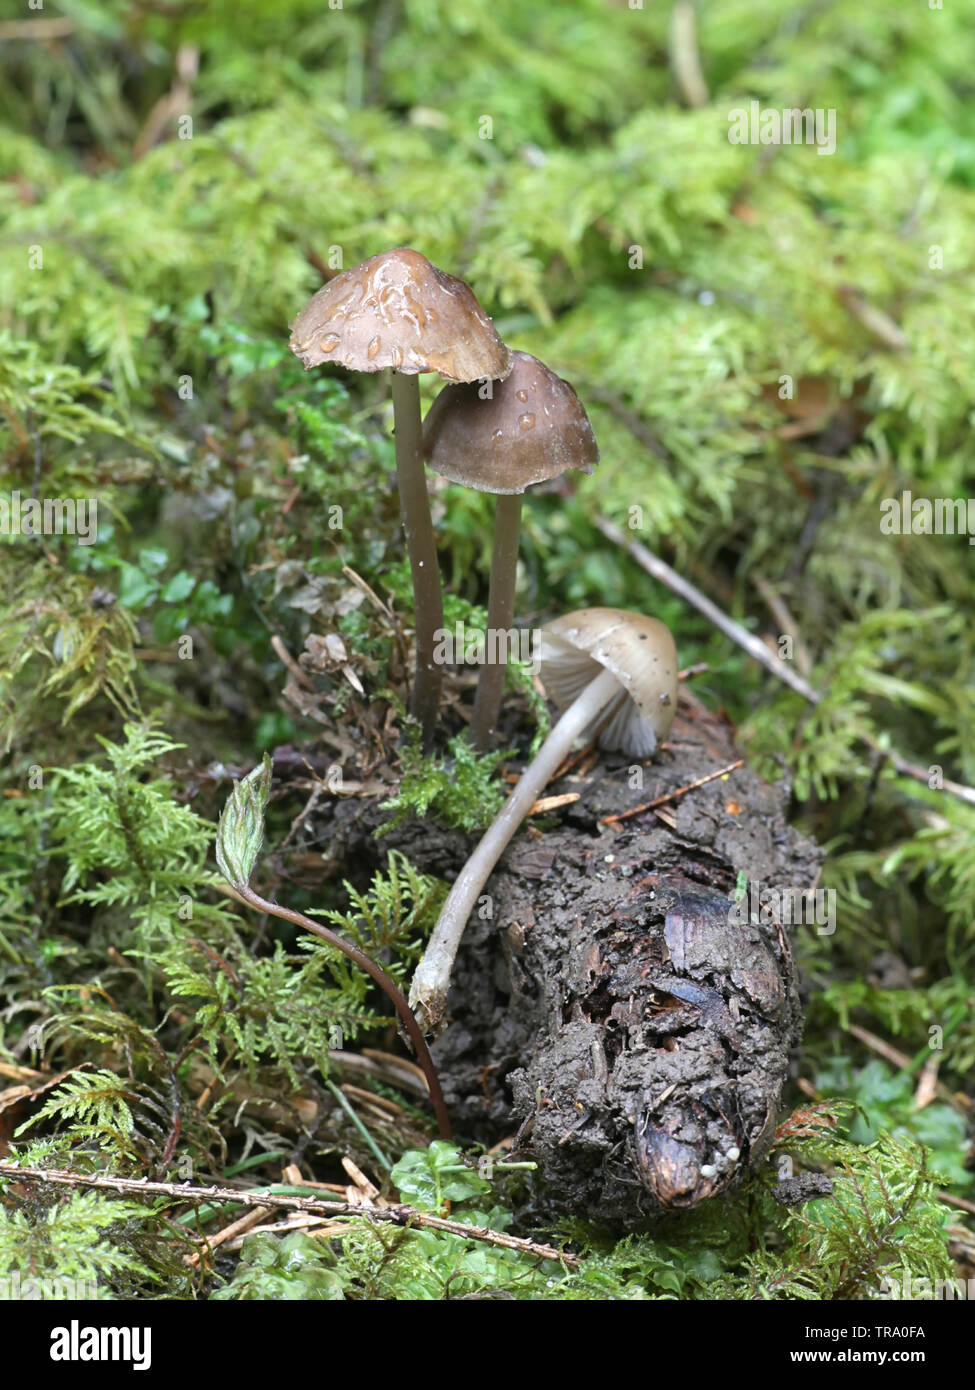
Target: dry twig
<point>672,795</point>
<point>662,572</point>
<point>685,57</point>
<point>185,1192</point>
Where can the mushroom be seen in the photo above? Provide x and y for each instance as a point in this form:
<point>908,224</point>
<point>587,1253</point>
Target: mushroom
<point>530,429</point>
<point>397,310</point>
<point>615,676</point>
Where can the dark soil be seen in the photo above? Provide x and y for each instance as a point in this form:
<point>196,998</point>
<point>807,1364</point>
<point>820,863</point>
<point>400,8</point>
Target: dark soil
<point>608,1004</point>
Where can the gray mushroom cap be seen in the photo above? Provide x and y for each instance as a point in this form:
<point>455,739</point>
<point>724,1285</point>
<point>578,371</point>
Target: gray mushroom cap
<point>531,428</point>
<point>641,654</point>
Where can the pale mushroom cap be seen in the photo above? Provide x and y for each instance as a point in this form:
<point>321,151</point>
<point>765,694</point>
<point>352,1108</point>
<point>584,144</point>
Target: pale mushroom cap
<point>531,428</point>
<point>397,310</point>
<point>641,654</point>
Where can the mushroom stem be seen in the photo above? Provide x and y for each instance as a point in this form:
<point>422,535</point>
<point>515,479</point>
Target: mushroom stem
<point>501,616</point>
<point>428,992</point>
<point>422,548</point>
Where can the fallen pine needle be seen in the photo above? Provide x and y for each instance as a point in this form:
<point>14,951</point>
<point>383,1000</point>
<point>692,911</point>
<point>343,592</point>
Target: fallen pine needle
<point>551,803</point>
<point>671,796</point>
<point>571,761</point>
<point>381,1103</point>
<point>239,1228</point>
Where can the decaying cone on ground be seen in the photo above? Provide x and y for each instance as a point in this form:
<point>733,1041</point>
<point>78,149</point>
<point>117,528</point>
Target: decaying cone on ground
<point>675,1027</point>
<point>608,1006</point>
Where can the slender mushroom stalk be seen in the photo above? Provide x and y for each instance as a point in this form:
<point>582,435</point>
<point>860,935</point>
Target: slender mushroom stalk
<point>421,547</point>
<point>531,428</point>
<point>612,672</point>
<point>397,310</point>
<point>501,614</point>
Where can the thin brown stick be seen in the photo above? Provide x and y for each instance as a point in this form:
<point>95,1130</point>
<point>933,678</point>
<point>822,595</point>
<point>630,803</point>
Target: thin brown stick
<point>962,1203</point>
<point>380,1103</point>
<point>176,102</point>
<point>299,673</point>
<point>369,592</point>
<point>673,795</point>
<point>42,29</point>
<point>400,1070</point>
<point>395,1215</point>
<point>677,584</point>
<point>902,1062</point>
<point>240,1227</point>
<point>573,761</point>
<point>777,607</point>
<point>662,572</point>
<point>874,320</point>
<point>890,1054</point>
<point>685,57</point>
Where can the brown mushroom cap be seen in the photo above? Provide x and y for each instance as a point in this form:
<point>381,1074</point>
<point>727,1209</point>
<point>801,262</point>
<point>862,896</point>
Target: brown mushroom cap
<point>397,310</point>
<point>532,428</point>
<point>641,654</point>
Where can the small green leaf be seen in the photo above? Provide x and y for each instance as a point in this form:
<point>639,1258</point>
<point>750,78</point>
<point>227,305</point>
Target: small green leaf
<point>209,603</point>
<point>427,1178</point>
<point>168,623</point>
<point>179,587</point>
<point>135,588</point>
<point>241,827</point>
<point>153,561</point>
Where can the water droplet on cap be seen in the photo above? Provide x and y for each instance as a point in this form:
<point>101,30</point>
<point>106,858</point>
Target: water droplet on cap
<point>396,357</point>
<point>373,348</point>
<point>522,395</point>
<point>329,343</point>
<point>527,422</point>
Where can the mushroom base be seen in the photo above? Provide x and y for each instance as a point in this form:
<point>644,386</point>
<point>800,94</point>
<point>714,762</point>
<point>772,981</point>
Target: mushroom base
<point>617,1012</point>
